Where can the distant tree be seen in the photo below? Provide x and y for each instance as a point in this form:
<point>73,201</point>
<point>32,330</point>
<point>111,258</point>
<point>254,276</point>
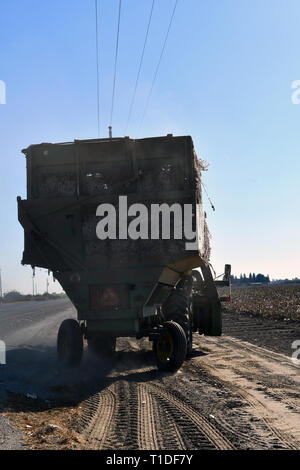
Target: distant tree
<point>261,278</point>
<point>15,296</point>
<point>12,296</point>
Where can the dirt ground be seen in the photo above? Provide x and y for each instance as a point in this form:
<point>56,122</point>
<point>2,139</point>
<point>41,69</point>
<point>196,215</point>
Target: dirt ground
<point>276,301</point>
<point>239,391</point>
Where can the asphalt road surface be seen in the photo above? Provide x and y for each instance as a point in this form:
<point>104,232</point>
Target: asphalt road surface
<point>239,391</point>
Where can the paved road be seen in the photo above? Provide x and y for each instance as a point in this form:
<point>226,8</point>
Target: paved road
<point>29,331</point>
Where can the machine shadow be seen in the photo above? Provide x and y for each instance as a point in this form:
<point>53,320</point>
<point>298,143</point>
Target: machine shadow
<point>33,380</point>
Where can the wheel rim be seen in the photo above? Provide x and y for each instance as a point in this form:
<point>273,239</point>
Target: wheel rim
<point>165,347</point>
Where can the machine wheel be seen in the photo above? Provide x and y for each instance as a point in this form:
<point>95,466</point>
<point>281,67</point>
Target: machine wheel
<point>197,281</point>
<point>177,308</point>
<point>69,343</point>
<point>102,345</point>
<point>170,347</point>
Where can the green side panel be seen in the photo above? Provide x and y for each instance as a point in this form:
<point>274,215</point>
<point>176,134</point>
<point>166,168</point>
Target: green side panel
<point>117,328</point>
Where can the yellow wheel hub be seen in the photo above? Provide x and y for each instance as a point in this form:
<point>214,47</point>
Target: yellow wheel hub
<point>165,347</point>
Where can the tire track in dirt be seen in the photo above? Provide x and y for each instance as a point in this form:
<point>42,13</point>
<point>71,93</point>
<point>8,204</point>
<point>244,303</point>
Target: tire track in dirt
<point>257,350</point>
<point>156,421</point>
<point>148,435</point>
<point>128,417</point>
<point>194,427</point>
<point>124,429</point>
<point>257,408</point>
<point>259,411</point>
<point>240,382</point>
<point>112,422</point>
<point>144,416</point>
<point>98,417</point>
<point>228,409</point>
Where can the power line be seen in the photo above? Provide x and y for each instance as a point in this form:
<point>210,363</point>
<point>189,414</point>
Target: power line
<point>115,68</point>
<point>157,67</point>
<point>139,69</point>
<point>206,192</point>
<point>97,60</point>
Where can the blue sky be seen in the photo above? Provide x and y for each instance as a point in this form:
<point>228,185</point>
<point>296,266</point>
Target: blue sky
<point>225,79</point>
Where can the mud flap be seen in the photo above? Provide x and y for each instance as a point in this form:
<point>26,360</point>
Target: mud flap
<point>207,316</point>
<point>216,329</point>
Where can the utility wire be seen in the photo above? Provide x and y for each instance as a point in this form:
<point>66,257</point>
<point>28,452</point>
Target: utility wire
<point>139,69</point>
<point>97,60</point>
<point>157,67</point>
<point>206,192</point>
<point>115,69</point>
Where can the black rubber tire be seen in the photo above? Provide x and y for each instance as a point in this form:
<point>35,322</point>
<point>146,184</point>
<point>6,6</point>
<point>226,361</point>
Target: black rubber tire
<point>175,361</point>
<point>69,343</point>
<point>102,345</point>
<point>177,308</point>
